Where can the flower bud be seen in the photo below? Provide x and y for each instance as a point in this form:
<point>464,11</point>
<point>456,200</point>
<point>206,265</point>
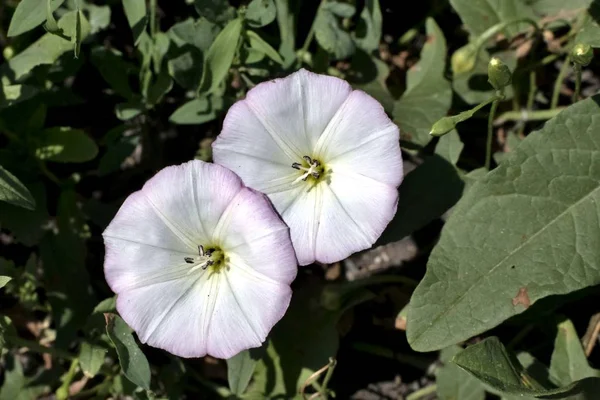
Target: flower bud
<point>582,54</point>
<point>443,126</point>
<point>8,53</point>
<point>463,60</point>
<point>499,75</point>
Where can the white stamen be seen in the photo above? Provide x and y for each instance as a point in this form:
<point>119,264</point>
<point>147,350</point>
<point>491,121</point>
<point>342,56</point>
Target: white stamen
<point>203,260</point>
<point>312,170</point>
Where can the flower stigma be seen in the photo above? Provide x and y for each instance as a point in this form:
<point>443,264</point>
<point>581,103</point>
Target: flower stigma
<point>211,257</point>
<point>311,167</point>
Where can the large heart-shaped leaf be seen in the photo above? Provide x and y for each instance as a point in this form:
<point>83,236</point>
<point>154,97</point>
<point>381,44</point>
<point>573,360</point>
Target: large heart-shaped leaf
<point>479,15</point>
<point>527,230</point>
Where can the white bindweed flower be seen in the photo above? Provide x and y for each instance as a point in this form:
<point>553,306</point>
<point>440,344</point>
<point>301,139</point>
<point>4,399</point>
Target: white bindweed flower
<point>327,156</point>
<point>201,264</point>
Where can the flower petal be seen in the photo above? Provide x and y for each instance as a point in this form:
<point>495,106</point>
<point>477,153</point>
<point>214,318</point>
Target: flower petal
<point>246,309</point>
<point>171,315</point>
<point>277,124</point>
<point>355,211</point>
<point>302,215</point>
<point>362,138</point>
<point>179,306</point>
<point>250,230</point>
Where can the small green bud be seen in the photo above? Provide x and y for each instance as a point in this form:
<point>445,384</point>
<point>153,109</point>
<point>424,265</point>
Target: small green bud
<point>442,126</point>
<point>499,75</point>
<point>463,60</point>
<point>8,53</point>
<point>582,54</point>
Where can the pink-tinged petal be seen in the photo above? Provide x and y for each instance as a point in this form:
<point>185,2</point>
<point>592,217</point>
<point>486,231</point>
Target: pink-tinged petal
<point>176,304</point>
<point>361,138</point>
<point>195,207</point>
<point>251,231</point>
<point>161,224</point>
<point>355,211</point>
<point>171,315</point>
<point>247,307</point>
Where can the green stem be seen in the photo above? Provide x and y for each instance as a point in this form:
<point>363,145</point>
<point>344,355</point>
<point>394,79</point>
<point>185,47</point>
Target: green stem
<point>490,134</point>
<point>62,393</point>
<point>559,81</point>
<point>537,115</point>
<point>153,18</point>
<point>532,90</point>
<point>311,32</point>
<point>577,69</point>
<point>38,348</point>
<point>423,392</point>
<point>324,392</point>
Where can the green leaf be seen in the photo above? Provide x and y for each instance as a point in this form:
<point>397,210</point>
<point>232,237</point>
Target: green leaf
<point>107,305</point>
<point>215,10</point>
<point>4,280</point>
<point>67,145</point>
<point>239,371</point>
<point>7,330</point>
<point>26,225</point>
<point>525,231</point>
<point>114,69</point>
<point>91,358</point>
<point>12,94</point>
<point>449,147</point>
<point>260,13</point>
<point>16,385</point>
<point>220,56</point>
<point>45,50</point>
<point>330,35</point>
<point>99,17</point>
<point>135,11</point>
<point>590,31</point>
<point>489,362</point>
<point>133,361</point>
<point>428,94</point>
<point>480,15</point>
<point>569,362</point>
<point>29,14</point>
<point>159,88</point>
<point>304,339</point>
<point>200,34</point>
<point>426,193</point>
<point>552,7</point>
<point>368,32</point>
<point>128,110</point>
<point>455,384</point>
<point>14,192</point>
<point>197,111</point>
<point>257,43</point>
<point>287,32</point>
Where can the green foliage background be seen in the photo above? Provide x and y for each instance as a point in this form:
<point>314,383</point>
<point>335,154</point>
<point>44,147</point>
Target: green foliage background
<point>98,96</point>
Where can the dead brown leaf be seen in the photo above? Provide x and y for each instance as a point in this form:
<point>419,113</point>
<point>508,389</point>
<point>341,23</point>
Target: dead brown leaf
<point>522,298</point>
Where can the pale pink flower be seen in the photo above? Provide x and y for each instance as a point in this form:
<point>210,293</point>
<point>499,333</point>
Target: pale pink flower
<point>327,156</point>
<point>200,263</point>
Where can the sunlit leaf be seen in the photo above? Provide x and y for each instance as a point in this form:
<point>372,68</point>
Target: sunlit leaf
<point>29,14</point>
<point>239,371</point>
<point>135,11</point>
<point>65,145</point>
<point>219,57</point>
<point>259,44</point>
<point>91,358</point>
<point>368,31</point>
<point>45,50</point>
<point>330,34</point>
<point>479,15</point>
<point>14,192</point>
<point>197,111</point>
<point>260,13</point>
